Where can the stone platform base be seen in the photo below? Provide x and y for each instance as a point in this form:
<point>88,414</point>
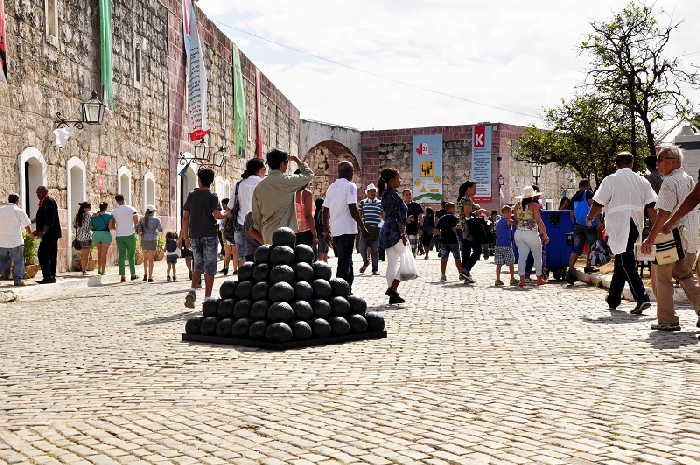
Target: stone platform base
<point>322,341</point>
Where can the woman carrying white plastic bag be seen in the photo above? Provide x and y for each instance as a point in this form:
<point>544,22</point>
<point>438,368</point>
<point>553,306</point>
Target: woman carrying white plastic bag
<point>407,265</point>
<point>392,237</point>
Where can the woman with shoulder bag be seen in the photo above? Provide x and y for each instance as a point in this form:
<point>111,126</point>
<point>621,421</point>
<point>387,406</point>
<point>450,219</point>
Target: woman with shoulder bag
<point>243,203</point>
<point>83,235</point>
<point>392,236</point>
<point>471,246</point>
<point>148,228</point>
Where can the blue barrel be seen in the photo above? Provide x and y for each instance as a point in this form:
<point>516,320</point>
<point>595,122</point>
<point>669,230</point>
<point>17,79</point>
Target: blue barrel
<point>560,225</point>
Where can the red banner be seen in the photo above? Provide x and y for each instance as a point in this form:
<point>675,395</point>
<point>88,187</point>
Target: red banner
<point>3,44</point>
<point>197,134</point>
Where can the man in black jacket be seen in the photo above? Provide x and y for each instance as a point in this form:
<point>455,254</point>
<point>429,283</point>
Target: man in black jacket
<point>48,229</point>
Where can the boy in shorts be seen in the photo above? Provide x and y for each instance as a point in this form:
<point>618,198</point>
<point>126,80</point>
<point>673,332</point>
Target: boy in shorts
<point>503,251</point>
<point>446,230</point>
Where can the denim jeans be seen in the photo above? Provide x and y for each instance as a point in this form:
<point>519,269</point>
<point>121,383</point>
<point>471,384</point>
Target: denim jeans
<point>204,250</point>
<point>374,248</point>
<point>16,254</point>
<point>471,251</point>
<point>344,245</point>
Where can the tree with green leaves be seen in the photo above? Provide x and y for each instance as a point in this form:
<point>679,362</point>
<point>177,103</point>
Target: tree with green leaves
<point>630,66</point>
<point>586,134</point>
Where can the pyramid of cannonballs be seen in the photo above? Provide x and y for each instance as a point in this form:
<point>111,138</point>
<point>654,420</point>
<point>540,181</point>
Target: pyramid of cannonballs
<point>284,299</point>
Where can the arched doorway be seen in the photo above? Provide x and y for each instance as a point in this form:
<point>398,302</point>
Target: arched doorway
<point>187,182</point>
<point>323,159</point>
<point>124,184</point>
<point>149,190</point>
<point>32,174</point>
<point>75,189</point>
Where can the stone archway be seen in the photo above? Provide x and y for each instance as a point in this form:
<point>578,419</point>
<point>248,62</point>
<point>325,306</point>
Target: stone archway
<point>33,172</point>
<point>124,184</point>
<point>323,159</point>
<point>76,193</point>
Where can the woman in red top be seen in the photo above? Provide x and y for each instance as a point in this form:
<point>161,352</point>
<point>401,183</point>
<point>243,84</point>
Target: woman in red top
<point>304,205</point>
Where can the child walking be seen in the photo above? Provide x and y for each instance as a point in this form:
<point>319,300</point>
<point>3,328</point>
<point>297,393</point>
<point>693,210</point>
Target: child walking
<point>446,230</point>
<point>504,245</point>
<point>171,252</point>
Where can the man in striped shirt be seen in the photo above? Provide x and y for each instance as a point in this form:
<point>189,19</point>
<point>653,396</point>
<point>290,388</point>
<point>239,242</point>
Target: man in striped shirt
<point>676,186</point>
<point>371,210</point>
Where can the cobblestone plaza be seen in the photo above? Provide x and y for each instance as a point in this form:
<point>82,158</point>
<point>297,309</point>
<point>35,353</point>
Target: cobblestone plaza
<point>468,375</point>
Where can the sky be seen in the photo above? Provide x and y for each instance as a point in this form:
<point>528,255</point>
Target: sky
<point>411,63</point>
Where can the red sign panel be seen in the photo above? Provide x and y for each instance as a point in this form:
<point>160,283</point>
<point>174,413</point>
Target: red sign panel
<point>479,136</point>
<point>101,164</point>
<point>198,135</point>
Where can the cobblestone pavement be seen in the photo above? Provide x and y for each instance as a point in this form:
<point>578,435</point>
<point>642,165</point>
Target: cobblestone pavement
<point>468,375</point>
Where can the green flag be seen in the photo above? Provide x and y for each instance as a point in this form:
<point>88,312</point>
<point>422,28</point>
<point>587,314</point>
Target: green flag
<point>106,50</point>
<point>240,124</point>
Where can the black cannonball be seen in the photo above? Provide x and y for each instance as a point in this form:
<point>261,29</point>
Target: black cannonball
<point>322,289</point>
<point>321,327</point>
<point>340,287</point>
<point>194,325</point>
<point>242,308</point>
<point>243,289</point>
<point>223,327</point>
<point>301,330</point>
<point>303,310</point>
<point>282,273</point>
<point>245,271</point>
<point>279,332</point>
<point>303,291</point>
<point>280,311</point>
<point>357,304</point>
<point>258,311</point>
<point>259,291</point>
<point>282,255</point>
<point>358,323</point>
<point>340,306</point>
<point>375,322</point>
<point>281,292</point>
<point>210,307</point>
<point>241,327</point>
<point>340,326</point>
<point>304,272</point>
<point>225,308</point>
<point>227,290</point>
<point>321,308</point>
<point>209,326</point>
<point>262,253</point>
<point>304,253</point>
<point>257,329</point>
<point>284,237</point>
<point>322,270</point>
<point>261,272</point>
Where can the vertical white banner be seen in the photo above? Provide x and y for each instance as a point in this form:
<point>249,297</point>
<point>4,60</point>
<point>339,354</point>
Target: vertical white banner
<point>197,94</point>
<point>481,162</point>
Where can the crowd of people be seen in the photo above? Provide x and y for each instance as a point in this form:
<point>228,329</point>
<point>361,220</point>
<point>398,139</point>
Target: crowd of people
<point>628,216</point>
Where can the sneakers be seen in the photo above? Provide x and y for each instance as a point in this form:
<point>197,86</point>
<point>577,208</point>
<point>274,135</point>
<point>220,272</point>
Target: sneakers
<point>190,298</point>
<point>639,309</point>
<point>134,277</point>
<point>666,327</point>
<point>168,278</point>
<point>542,281</point>
<point>362,270</point>
<point>499,283</point>
<point>375,273</point>
<point>443,277</point>
<point>466,278</point>
<point>150,280</point>
<point>395,299</point>
<point>145,278</point>
<point>513,282</point>
<point>522,283</point>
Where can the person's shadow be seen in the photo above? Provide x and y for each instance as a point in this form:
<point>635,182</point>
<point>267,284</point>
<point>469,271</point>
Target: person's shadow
<point>616,317</point>
<point>663,340</point>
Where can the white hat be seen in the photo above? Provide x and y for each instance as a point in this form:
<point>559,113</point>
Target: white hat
<point>150,208</point>
<point>371,187</point>
<point>528,192</point>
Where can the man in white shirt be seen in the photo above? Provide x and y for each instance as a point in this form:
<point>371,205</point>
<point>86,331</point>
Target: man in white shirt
<point>624,194</point>
<point>676,186</point>
<point>342,219</point>
<point>12,220</point>
<point>124,220</point>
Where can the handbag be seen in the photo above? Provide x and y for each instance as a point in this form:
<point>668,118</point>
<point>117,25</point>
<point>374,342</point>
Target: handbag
<point>76,244</point>
<point>669,247</point>
<point>231,224</point>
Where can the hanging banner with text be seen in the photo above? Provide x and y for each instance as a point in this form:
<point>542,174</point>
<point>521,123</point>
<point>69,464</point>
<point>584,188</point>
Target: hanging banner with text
<point>197,99</point>
<point>427,168</point>
<point>3,44</point>
<point>481,162</point>
<point>106,73</point>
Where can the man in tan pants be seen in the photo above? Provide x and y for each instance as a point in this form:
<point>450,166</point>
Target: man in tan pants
<point>676,186</point>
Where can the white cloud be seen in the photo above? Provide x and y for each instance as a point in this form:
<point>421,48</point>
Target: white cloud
<point>514,54</point>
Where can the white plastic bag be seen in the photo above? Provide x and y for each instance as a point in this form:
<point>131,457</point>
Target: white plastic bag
<point>407,265</point>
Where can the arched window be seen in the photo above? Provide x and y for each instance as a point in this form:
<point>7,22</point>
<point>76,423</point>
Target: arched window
<point>76,193</point>
<point>124,184</point>
<point>186,183</point>
<point>33,172</point>
<point>149,190</point>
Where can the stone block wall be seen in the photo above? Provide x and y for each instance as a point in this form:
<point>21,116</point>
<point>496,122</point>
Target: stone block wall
<point>145,129</point>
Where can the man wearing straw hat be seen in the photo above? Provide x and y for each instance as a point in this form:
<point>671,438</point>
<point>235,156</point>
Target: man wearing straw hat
<point>371,210</point>
<point>625,195</point>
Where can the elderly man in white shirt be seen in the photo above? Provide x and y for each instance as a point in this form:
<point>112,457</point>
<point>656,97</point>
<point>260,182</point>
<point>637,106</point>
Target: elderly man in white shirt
<point>624,195</point>
<point>676,186</point>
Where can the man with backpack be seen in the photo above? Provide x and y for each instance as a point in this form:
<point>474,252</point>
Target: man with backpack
<point>583,234</point>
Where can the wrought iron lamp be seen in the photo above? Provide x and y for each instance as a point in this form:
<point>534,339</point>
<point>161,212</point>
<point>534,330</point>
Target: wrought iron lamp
<point>205,156</point>
<point>536,172</point>
<point>501,180</point>
<point>92,113</point>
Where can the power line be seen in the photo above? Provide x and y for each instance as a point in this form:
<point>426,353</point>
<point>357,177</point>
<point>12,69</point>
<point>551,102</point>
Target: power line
<point>376,75</point>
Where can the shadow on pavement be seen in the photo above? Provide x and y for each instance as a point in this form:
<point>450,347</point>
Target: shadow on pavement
<point>673,340</point>
<point>617,317</point>
<point>168,319</point>
<point>178,291</point>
